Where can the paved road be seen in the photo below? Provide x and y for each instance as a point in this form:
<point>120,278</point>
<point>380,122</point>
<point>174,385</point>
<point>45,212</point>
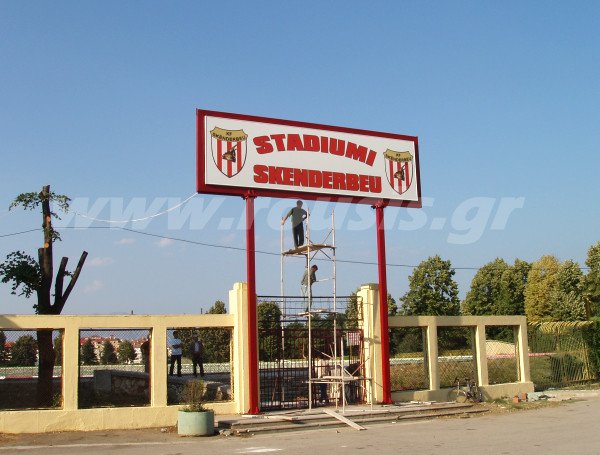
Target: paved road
<point>571,428</point>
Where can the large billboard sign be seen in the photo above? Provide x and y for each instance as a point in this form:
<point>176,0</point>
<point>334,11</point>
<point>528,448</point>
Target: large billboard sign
<point>242,154</point>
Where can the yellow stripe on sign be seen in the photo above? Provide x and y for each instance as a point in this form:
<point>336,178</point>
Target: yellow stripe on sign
<point>400,157</point>
<point>228,135</point>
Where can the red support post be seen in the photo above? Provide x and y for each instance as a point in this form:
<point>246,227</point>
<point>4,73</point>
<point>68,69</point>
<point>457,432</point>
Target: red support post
<point>383,306</point>
<point>252,315</point>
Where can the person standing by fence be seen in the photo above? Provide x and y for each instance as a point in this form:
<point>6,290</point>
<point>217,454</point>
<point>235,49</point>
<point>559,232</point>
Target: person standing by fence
<point>176,353</point>
<point>198,355</point>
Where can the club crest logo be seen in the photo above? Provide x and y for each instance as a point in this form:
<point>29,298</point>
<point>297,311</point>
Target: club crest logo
<point>399,168</point>
<point>229,150</point>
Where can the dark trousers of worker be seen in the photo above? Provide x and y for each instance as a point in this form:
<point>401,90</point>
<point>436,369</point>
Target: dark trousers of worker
<point>197,361</point>
<point>298,232</point>
<point>175,358</point>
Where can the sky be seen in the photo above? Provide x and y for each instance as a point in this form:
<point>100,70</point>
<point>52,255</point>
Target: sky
<point>98,100</point>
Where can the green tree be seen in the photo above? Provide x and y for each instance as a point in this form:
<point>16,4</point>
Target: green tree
<point>392,307</point>
<point>568,302</point>
<point>324,322</point>
<point>432,290</point>
<point>498,289</point>
<point>485,295</point>
<point>540,292</point>
<point>29,276</point>
<point>296,340</point>
<point>216,342</point>
<point>352,313</point>
<point>553,291</point>
<point>58,348</point>
<point>513,282</point>
<point>108,355</point>
<point>591,282</point>
<point>217,308</point>
<point>350,320</point>
<point>126,352</point>
<point>3,349</point>
<point>394,339</point>
<point>269,328</point>
<point>88,354</point>
<point>268,315</point>
<point>406,340</point>
<point>24,351</point>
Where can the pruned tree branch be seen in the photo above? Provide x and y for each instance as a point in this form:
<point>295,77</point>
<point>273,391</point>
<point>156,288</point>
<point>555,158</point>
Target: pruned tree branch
<point>59,305</point>
<point>59,282</point>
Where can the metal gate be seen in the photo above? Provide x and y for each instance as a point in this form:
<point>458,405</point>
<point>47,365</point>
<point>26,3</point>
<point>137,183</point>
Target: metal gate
<point>284,341</point>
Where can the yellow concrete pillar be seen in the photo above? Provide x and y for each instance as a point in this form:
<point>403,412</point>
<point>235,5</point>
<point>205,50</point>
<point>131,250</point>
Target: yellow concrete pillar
<point>158,366</point>
<point>523,348</point>
<point>238,297</point>
<point>481,355</point>
<point>70,367</point>
<point>432,355</point>
<point>368,296</point>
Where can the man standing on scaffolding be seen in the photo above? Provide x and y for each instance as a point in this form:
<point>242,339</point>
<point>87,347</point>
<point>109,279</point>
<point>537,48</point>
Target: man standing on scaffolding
<point>298,215</point>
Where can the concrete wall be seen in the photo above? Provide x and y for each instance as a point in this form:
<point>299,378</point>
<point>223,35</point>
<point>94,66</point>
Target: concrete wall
<point>160,414</point>
<point>155,415</point>
<point>369,297</point>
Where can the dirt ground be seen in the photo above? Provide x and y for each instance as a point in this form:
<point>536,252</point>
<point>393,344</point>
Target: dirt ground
<point>89,437</point>
<point>506,407</point>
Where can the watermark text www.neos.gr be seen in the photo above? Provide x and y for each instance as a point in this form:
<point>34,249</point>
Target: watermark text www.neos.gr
<point>464,224</point>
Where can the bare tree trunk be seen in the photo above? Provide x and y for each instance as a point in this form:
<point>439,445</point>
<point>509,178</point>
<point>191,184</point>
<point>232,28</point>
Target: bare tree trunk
<point>47,356</point>
<point>45,255</point>
<point>44,337</point>
<point>45,392</point>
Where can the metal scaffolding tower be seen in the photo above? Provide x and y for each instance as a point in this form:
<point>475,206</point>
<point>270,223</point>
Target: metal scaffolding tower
<point>311,251</point>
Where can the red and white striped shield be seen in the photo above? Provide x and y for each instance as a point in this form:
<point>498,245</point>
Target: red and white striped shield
<point>399,170</point>
<point>229,150</point>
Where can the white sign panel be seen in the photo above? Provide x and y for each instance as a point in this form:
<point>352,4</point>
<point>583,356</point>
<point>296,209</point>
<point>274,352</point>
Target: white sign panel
<point>240,154</point>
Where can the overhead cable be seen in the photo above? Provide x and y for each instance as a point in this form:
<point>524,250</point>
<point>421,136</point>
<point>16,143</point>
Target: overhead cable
<point>137,219</point>
<point>235,248</point>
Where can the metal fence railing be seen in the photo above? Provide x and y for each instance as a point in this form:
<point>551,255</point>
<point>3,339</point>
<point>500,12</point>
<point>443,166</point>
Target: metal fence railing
<point>502,354</point>
<point>408,359</point>
<point>562,353</point>
<point>123,379</point>
<point>456,355</point>
<point>23,383</point>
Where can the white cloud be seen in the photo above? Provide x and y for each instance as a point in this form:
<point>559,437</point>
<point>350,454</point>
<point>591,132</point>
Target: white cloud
<point>93,287</point>
<point>164,243</point>
<point>100,262</point>
<point>125,241</point>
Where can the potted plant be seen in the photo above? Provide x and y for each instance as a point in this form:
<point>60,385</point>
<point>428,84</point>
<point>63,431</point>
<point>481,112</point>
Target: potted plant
<point>194,419</point>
